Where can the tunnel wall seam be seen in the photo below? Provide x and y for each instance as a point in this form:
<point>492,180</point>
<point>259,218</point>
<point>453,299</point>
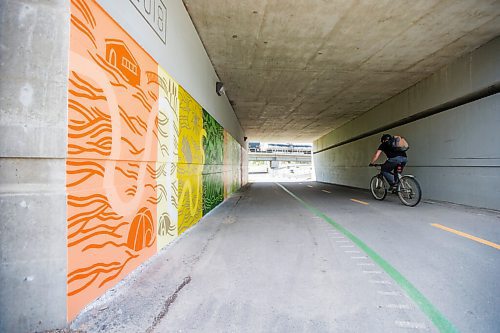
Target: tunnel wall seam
<point>488,91</point>
<point>451,121</point>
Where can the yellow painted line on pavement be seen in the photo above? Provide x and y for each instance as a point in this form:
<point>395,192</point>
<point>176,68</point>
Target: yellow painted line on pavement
<point>463,234</point>
<point>326,191</point>
<point>359,201</point>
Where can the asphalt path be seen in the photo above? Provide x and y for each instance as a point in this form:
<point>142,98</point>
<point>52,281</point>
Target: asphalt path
<point>458,275</point>
<point>313,257</point>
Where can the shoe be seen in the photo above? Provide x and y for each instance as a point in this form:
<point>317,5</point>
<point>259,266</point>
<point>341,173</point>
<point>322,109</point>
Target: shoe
<point>393,188</point>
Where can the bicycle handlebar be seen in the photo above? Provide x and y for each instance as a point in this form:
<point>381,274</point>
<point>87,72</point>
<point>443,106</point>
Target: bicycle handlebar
<point>375,165</point>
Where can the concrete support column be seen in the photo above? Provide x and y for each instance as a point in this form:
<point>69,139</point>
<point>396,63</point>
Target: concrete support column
<point>34,39</point>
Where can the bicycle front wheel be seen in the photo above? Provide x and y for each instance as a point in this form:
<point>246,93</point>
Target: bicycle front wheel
<point>377,188</point>
<point>409,191</point>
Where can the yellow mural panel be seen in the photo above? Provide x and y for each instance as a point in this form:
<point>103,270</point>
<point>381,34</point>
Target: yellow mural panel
<point>191,160</point>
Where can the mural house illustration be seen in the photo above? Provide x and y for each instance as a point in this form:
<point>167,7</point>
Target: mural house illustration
<point>119,56</point>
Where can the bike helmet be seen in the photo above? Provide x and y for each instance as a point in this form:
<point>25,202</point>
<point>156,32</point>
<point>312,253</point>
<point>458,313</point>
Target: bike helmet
<point>385,137</point>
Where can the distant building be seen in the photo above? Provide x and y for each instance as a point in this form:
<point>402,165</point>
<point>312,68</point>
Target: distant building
<point>119,56</point>
<point>257,147</point>
<point>254,146</point>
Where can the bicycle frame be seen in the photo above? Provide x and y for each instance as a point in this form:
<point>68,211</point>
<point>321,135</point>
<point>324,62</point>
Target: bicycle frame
<point>381,176</point>
<point>406,186</point>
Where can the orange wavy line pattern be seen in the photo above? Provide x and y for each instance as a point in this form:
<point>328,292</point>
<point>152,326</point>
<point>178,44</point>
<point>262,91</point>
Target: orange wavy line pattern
<point>84,9</point>
<point>128,120</point>
<point>109,233</point>
<point>153,96</point>
<point>127,174</point>
<point>86,216</point>
<point>81,230</point>
<point>86,200</point>
<point>119,270</point>
<point>74,93</point>
<point>140,122</point>
<point>81,26</point>
<point>134,150</point>
<point>142,98</point>
<point>90,128</point>
<point>80,150</point>
<point>97,271</point>
<point>90,173</point>
<point>83,164</point>
<point>74,292</point>
<point>81,270</point>
<point>76,106</point>
<point>100,246</point>
<point>85,85</point>
<point>103,218</point>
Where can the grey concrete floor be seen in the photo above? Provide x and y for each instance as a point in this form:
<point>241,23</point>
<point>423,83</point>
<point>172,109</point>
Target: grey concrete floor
<point>263,262</point>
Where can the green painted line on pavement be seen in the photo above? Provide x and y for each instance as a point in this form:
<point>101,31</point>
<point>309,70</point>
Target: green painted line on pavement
<point>442,324</point>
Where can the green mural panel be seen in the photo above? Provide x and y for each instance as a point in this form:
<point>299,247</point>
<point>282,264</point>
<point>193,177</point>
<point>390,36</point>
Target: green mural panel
<point>213,191</point>
<point>213,143</point>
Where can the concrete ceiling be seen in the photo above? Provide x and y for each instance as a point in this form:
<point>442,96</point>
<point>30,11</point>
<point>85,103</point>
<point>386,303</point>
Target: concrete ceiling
<point>294,70</point>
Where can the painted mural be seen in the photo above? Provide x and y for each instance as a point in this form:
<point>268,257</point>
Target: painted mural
<point>144,163</point>
<point>232,165</point>
<point>112,146</point>
<point>166,165</point>
<point>191,160</point>
<point>213,144</point>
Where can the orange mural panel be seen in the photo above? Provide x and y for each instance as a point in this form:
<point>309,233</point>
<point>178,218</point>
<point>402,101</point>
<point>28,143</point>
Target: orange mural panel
<point>112,148</point>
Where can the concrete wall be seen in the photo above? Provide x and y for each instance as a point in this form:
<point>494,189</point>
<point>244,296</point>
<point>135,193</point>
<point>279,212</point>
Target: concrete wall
<point>65,151</point>
<point>34,39</point>
<point>453,153</point>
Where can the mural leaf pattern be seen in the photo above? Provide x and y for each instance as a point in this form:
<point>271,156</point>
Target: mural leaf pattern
<point>213,184</point>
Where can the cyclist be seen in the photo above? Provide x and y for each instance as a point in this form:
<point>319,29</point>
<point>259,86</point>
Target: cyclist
<point>394,158</point>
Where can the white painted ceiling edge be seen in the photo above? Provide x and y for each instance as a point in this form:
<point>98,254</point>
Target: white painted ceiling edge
<point>183,57</point>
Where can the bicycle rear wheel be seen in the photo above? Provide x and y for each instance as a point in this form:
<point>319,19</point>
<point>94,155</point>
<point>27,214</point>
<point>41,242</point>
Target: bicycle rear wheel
<point>377,188</point>
<point>409,191</point>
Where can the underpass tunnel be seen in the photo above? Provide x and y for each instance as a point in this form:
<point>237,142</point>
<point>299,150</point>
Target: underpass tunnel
<point>126,124</point>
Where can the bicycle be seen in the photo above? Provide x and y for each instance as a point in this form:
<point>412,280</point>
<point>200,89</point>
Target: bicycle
<point>407,187</point>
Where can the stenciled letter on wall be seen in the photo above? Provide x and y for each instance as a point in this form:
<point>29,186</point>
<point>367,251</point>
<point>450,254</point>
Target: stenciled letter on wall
<point>155,13</point>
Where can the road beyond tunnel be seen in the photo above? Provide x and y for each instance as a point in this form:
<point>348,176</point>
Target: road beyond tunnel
<point>314,257</point>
